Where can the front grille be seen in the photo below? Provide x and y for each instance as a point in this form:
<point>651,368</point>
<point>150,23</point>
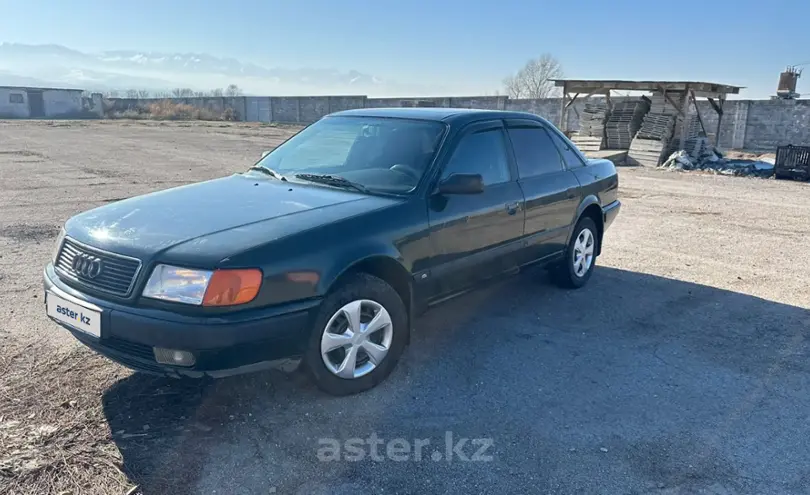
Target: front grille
<point>117,273</point>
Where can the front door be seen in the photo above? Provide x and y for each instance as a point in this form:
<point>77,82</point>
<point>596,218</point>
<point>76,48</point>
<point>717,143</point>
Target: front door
<point>36,105</point>
<point>475,236</point>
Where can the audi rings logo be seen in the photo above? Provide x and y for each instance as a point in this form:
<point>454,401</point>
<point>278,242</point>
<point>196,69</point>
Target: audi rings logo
<point>87,265</point>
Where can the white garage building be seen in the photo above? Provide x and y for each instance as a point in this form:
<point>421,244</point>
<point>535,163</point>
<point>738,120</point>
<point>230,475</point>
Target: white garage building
<point>31,103</point>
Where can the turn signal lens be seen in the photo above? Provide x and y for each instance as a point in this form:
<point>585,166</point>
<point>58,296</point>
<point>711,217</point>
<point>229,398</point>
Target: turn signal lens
<point>229,287</point>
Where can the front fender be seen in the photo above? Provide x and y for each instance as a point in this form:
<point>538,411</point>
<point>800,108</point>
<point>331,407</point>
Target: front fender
<point>351,257</point>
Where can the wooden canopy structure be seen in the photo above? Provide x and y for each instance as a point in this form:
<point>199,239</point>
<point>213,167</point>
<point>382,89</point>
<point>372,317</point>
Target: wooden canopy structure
<point>679,94</point>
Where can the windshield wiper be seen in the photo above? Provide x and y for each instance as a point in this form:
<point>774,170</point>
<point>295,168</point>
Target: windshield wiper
<point>333,180</point>
<point>269,171</point>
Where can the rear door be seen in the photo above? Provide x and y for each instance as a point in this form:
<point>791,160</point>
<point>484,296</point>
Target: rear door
<point>476,236</point>
<point>551,190</point>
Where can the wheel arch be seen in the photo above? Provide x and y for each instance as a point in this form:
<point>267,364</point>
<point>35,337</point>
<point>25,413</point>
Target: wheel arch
<point>383,265</point>
<point>591,207</point>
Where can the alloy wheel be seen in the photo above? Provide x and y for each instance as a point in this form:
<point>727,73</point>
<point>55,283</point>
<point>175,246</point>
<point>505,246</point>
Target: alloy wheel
<point>356,339</point>
<point>583,252</point>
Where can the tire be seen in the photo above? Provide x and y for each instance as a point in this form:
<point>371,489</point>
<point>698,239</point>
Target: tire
<point>367,297</point>
<point>568,273</point>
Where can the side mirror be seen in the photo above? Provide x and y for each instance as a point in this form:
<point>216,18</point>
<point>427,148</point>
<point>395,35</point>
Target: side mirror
<point>265,153</point>
<point>462,184</point>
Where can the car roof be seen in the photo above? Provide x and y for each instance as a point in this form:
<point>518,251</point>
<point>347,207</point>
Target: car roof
<point>453,116</point>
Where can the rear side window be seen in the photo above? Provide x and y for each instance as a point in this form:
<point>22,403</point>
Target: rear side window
<point>482,152</point>
<point>534,151</point>
<point>571,158</point>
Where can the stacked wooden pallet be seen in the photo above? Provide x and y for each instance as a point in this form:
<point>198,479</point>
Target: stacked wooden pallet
<point>647,152</point>
<point>661,104</point>
<point>693,133</point>
<point>624,121</point>
<point>587,143</point>
<point>651,143</point>
<point>591,135</point>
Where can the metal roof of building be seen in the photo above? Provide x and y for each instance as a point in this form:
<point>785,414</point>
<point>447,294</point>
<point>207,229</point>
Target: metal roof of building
<point>28,88</point>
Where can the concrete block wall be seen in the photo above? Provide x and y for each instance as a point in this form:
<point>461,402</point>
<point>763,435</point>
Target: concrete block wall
<point>483,102</point>
<point>757,125</point>
<point>308,109</point>
<point>773,123</point>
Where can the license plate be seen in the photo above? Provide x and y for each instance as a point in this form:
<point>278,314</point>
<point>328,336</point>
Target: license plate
<point>72,314</point>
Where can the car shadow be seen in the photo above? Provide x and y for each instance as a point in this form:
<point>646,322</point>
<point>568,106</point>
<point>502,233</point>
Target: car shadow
<point>634,384</point>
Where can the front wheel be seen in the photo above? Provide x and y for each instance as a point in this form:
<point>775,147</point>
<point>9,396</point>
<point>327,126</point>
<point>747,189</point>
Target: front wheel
<point>576,268</point>
<point>359,334</point>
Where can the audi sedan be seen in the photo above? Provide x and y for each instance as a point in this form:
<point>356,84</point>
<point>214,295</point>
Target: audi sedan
<point>325,250</point>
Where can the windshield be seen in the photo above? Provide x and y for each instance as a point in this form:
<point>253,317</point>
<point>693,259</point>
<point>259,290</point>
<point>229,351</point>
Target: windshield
<point>381,154</point>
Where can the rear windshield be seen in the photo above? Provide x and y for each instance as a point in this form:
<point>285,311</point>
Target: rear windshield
<point>383,154</point>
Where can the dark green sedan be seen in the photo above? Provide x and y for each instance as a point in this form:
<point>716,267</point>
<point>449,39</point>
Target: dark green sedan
<point>325,250</point>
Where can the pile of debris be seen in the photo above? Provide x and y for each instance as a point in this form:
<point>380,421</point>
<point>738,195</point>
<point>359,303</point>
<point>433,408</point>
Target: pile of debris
<point>714,162</point>
<point>591,135</point>
<point>652,140</point>
<point>624,122</point>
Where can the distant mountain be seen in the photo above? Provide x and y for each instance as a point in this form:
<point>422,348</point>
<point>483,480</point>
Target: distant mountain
<point>122,69</point>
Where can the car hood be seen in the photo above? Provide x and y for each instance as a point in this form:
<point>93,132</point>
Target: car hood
<point>146,226</point>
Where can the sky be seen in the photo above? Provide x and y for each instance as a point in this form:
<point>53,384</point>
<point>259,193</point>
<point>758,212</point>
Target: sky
<point>462,46</point>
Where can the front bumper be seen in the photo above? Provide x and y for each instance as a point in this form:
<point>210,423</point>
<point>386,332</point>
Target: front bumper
<point>222,345</point>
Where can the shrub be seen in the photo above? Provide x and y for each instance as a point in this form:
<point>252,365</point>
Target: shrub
<point>169,110</point>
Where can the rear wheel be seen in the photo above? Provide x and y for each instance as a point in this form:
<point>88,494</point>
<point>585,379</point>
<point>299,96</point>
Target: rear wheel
<point>576,268</point>
<point>358,336</point>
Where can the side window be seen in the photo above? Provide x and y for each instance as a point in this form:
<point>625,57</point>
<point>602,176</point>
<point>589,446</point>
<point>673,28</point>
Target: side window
<point>534,151</point>
<point>482,152</point>
<point>571,158</point>
<point>16,98</point>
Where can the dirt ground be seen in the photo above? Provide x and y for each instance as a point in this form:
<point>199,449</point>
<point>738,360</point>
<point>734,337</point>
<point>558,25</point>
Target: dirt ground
<point>681,368</point>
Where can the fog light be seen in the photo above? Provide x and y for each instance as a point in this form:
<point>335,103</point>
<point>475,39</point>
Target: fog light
<point>174,357</point>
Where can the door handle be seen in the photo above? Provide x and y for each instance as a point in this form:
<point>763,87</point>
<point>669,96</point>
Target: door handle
<point>512,208</point>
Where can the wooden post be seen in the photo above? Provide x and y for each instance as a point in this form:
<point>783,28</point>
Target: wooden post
<point>719,120</point>
<point>697,112</point>
<point>684,113</point>
<point>564,108</point>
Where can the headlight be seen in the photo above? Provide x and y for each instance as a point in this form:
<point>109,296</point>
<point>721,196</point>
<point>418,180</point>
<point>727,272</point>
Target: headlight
<point>172,283</point>
<point>59,239</point>
<point>203,287</point>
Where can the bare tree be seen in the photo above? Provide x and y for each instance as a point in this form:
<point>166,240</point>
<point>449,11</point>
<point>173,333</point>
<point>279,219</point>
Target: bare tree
<point>132,93</point>
<point>217,92</point>
<point>143,93</point>
<point>534,79</point>
<point>513,86</point>
<point>182,92</point>
<point>233,90</point>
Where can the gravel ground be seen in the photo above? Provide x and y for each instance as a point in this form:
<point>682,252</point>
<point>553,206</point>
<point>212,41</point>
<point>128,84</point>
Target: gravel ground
<point>681,368</point>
